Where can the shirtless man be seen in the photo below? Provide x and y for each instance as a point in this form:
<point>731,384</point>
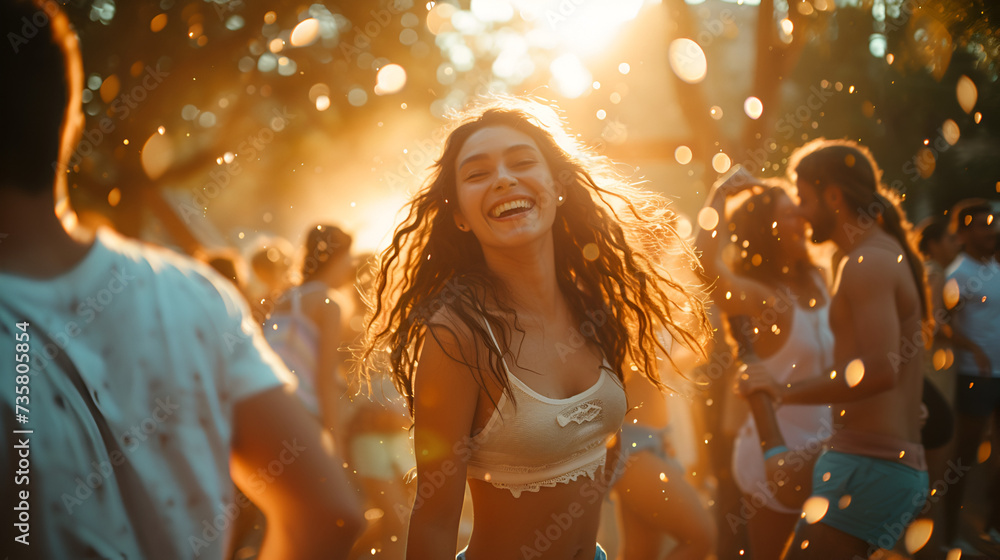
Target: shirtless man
<point>873,471</point>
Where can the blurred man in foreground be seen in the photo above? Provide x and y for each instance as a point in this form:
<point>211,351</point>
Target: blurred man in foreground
<point>139,380</point>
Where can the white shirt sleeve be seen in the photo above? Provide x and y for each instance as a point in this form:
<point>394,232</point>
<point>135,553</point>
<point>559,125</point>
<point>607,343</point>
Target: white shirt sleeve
<point>249,365</point>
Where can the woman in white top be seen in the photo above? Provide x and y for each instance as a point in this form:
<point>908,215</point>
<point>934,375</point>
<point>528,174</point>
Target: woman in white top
<point>767,277</point>
<point>521,260</point>
<point>305,326</point>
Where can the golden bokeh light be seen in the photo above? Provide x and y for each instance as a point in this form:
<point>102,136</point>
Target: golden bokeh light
<point>967,93</point>
<point>854,372</point>
<point>917,534</point>
<point>753,107</point>
<point>708,218</point>
<point>688,60</point>
<point>157,155</point>
<point>721,162</point>
<point>158,23</point>
<point>951,293</point>
<point>950,132</point>
<point>939,359</point>
<point>815,509</point>
<point>391,79</point>
<point>683,155</point>
<point>305,33</point>
<point>983,453</point>
<point>439,18</point>
<point>110,88</point>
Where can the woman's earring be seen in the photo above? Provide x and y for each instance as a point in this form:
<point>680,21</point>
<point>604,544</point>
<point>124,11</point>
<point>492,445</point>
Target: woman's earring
<point>560,200</point>
<point>463,227</point>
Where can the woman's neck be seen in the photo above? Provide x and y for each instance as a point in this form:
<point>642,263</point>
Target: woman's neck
<point>529,275</point>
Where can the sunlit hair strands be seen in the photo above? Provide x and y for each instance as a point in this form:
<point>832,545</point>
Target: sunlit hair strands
<point>619,263</point>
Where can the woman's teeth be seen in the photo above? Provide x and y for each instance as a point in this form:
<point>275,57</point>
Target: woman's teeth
<point>512,205</point>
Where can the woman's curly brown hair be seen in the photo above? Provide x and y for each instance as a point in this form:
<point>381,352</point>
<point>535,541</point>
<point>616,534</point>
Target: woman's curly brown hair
<point>614,246</point>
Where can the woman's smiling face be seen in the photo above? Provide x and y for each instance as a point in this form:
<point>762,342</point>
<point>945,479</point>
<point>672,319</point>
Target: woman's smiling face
<point>506,193</point>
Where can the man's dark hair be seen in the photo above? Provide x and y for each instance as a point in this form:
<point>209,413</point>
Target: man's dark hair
<point>932,232</point>
<point>965,212</point>
<point>36,60</point>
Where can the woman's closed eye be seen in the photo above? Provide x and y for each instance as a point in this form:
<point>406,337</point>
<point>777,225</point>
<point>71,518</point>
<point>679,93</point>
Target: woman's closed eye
<point>476,174</point>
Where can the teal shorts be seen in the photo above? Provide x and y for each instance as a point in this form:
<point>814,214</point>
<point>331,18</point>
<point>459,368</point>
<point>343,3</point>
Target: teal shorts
<point>599,554</point>
<point>884,496</point>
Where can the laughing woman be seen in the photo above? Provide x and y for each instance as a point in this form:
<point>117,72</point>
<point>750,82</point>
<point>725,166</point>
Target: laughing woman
<point>508,305</point>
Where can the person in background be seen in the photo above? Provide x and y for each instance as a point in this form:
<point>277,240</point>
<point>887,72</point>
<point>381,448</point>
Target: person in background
<point>229,264</point>
<point>148,389</point>
<point>271,265</point>
<point>939,247</point>
<point>875,455</point>
<point>972,293</point>
<point>771,280</point>
<point>654,498</point>
<point>305,328</point>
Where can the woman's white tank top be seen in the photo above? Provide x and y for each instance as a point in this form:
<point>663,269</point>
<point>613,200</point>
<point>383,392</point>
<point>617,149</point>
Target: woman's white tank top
<point>547,441</point>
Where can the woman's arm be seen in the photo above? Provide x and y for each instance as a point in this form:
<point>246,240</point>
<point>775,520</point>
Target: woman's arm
<point>444,406</point>
<point>732,293</point>
<point>873,322</point>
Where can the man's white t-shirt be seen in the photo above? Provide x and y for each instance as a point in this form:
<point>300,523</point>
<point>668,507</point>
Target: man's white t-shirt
<point>977,312</point>
<point>166,347</point>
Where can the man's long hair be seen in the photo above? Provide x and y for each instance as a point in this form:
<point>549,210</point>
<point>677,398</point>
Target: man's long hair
<point>851,167</point>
